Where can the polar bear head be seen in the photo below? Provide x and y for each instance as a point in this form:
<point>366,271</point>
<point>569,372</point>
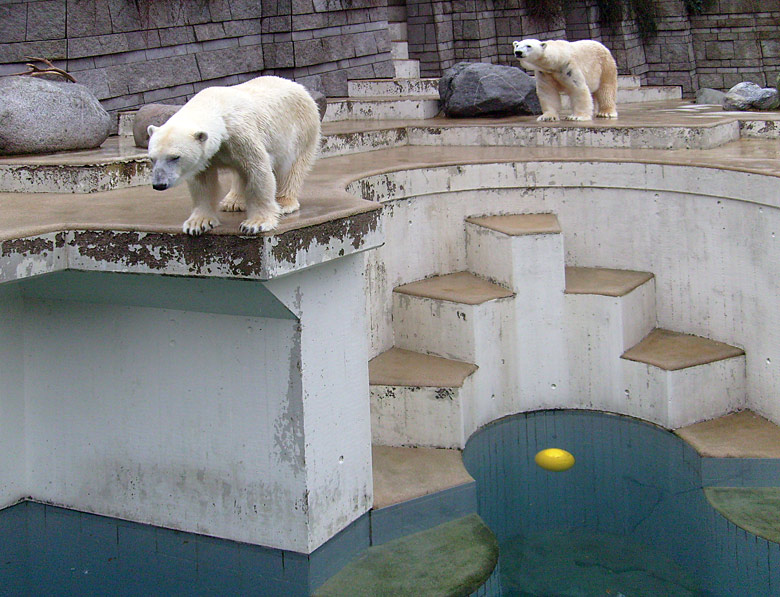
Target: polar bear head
<point>178,152</point>
<point>529,50</point>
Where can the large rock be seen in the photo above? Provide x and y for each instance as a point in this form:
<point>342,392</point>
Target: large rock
<point>705,95</point>
<point>480,89</point>
<point>155,114</point>
<point>42,116</point>
<point>749,96</point>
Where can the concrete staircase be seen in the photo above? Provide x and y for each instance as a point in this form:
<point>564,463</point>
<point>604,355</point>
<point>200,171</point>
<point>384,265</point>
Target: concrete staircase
<point>519,331</point>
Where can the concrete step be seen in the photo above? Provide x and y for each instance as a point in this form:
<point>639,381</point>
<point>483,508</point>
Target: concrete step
<point>456,316</point>
<point>678,379</point>
<point>639,95</point>
<point>628,82</point>
<point>649,94</point>
<point>407,69</point>
<point>399,50</point>
<point>742,434</point>
<point>425,486</point>
<point>427,88</point>
<point>607,312</point>
<point>381,108</point>
<point>397,31</point>
<point>524,252</point>
<point>418,399</point>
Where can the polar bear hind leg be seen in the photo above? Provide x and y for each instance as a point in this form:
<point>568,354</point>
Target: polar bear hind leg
<point>234,200</point>
<point>291,182</point>
<point>605,96</point>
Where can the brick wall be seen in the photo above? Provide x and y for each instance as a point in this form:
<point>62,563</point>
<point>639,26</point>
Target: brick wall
<point>133,52</point>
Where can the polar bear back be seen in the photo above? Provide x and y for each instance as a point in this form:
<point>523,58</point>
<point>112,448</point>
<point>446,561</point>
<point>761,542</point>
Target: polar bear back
<point>268,107</point>
<point>592,58</point>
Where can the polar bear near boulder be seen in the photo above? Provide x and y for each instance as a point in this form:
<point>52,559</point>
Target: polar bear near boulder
<point>267,131</point>
<point>584,69</point>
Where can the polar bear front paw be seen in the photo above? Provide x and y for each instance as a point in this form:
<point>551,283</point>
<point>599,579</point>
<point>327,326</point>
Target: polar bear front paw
<point>547,117</point>
<point>606,115</point>
<point>577,117</point>
<point>197,224</point>
<point>232,202</point>
<point>259,224</point>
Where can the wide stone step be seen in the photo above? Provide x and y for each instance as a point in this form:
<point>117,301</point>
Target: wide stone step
<point>381,108</point>
<point>628,82</point>
<point>677,379</point>
<point>638,95</point>
<point>428,88</point>
<point>418,399</point>
<point>607,312</point>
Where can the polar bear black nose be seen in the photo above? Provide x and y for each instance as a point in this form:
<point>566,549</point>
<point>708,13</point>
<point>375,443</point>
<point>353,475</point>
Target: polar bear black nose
<point>159,186</point>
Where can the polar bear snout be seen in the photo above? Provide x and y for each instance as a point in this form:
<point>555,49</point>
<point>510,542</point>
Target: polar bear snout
<point>165,174</point>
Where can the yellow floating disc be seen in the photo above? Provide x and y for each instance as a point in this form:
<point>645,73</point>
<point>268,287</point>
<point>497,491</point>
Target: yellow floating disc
<point>554,459</point>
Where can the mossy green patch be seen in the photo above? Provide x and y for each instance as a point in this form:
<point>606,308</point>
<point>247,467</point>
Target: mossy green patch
<point>755,509</point>
<point>452,559</point>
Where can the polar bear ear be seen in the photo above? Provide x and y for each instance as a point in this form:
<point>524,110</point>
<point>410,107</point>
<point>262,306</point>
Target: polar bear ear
<point>201,136</point>
<point>151,129</point>
<point>544,45</point>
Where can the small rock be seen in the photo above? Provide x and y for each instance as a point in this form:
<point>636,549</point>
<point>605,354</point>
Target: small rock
<point>749,96</point>
<point>480,89</point>
<point>155,114</point>
<point>706,95</point>
<point>43,116</point>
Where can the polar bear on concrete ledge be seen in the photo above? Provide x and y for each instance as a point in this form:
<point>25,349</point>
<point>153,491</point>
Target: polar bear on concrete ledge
<point>585,70</point>
<point>267,131</point>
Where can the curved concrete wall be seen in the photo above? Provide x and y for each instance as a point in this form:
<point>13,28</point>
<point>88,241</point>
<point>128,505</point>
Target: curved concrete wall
<point>709,236</point>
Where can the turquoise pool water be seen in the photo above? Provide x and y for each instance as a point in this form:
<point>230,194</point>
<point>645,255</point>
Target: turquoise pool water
<point>629,518</point>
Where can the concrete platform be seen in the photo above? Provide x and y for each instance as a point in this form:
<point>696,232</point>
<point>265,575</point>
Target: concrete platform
<point>672,351</point>
<point>519,224</point>
<point>402,474</point>
<point>603,281</point>
<point>460,287</point>
<point>742,434</point>
<point>399,367</point>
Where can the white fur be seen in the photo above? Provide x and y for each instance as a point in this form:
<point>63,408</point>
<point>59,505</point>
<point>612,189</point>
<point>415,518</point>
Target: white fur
<point>585,70</point>
<point>267,131</point>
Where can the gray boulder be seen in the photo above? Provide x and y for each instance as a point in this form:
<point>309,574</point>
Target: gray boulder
<point>155,114</point>
<point>705,95</point>
<point>43,116</point>
<point>480,89</point>
<point>749,96</point>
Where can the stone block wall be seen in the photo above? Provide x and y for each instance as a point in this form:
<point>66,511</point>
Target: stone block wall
<point>737,40</point>
<point>133,52</point>
<point>734,40</point>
